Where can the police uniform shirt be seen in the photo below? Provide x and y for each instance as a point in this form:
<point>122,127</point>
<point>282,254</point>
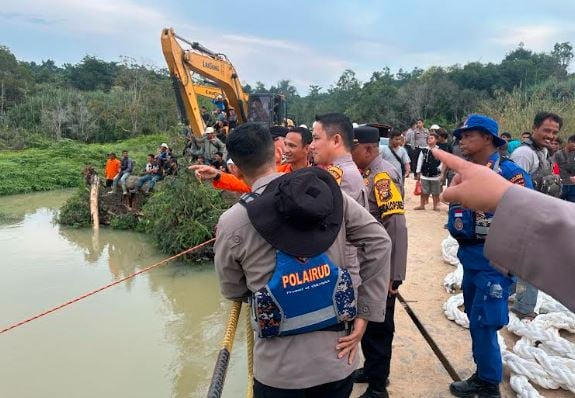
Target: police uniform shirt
<point>347,175</point>
<point>417,138</point>
<point>245,262</point>
<point>384,188</point>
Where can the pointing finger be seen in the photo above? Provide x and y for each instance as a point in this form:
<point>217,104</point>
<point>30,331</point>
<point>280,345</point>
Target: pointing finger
<point>451,161</point>
<point>452,194</point>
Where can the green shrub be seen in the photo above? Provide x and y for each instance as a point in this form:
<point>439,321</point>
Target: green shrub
<point>76,210</point>
<point>182,213</point>
<point>125,221</point>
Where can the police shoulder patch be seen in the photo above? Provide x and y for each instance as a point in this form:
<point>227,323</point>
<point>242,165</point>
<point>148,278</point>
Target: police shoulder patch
<point>518,179</point>
<point>336,172</point>
<point>387,195</point>
<point>382,187</point>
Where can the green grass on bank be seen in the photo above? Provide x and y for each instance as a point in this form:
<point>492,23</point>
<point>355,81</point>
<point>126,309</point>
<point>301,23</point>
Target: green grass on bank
<point>60,165</point>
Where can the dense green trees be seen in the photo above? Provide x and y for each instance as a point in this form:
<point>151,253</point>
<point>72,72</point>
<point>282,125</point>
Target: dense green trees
<point>99,101</point>
<point>92,101</point>
<point>443,95</point>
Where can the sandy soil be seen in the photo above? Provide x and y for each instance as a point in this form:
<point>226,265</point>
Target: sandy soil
<point>416,371</point>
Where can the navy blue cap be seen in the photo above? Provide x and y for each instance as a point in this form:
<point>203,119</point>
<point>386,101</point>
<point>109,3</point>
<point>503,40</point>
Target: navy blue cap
<point>365,135</point>
<point>481,123</point>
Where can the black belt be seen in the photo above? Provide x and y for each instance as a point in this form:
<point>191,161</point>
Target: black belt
<point>470,241</point>
<point>338,327</point>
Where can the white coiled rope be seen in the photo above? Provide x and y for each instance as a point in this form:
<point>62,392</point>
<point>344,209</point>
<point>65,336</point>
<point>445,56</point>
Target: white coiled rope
<point>452,281</point>
<point>541,355</point>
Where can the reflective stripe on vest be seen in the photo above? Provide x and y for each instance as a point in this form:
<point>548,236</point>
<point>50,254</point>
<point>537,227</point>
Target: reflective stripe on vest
<point>303,295</point>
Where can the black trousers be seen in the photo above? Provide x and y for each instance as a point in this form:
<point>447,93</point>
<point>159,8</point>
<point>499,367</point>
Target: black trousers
<point>376,347</point>
<point>335,389</point>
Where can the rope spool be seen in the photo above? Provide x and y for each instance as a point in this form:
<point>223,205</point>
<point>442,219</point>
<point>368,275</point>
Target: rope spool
<point>453,313</point>
<point>452,281</point>
<point>541,355</point>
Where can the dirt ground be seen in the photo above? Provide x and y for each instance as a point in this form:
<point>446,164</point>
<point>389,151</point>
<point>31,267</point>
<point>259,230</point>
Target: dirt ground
<point>416,371</point>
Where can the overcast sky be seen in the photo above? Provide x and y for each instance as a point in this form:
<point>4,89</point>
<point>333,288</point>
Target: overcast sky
<point>304,41</point>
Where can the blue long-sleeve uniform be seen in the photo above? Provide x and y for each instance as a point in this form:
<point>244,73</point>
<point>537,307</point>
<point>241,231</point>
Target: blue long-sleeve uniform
<point>485,290</point>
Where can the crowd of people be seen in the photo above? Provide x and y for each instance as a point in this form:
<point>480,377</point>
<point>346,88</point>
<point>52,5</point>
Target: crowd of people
<point>158,165</point>
<point>417,143</point>
<point>282,224</point>
<point>321,228</point>
<point>211,147</point>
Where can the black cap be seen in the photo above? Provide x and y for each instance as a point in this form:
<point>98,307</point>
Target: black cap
<point>278,131</point>
<point>365,135</point>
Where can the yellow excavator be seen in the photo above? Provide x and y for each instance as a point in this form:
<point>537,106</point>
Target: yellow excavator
<point>207,90</point>
<point>197,60</point>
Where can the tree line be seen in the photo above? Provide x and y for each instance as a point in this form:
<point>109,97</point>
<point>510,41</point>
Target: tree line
<point>91,101</point>
<point>99,101</point>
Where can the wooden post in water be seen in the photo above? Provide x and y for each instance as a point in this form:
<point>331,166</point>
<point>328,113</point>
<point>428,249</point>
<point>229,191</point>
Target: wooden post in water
<point>94,202</point>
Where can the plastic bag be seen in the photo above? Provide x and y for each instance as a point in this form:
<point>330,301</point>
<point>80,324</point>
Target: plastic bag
<point>417,191</point>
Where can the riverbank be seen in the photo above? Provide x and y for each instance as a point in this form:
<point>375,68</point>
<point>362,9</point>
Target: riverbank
<point>60,165</point>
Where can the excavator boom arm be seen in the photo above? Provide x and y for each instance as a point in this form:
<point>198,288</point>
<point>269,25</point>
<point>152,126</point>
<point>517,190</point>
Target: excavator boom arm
<point>200,60</point>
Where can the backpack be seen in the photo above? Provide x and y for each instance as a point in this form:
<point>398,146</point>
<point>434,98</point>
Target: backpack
<point>544,180</point>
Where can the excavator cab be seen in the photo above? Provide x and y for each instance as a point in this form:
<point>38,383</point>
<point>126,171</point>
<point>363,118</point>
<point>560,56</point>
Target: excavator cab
<point>270,109</point>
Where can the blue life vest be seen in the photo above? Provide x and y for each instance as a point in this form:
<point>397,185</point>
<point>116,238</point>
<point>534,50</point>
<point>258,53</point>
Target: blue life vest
<point>470,228</point>
<point>303,295</point>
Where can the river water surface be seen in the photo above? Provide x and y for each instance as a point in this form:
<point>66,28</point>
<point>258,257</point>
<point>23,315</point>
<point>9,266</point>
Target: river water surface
<point>153,336</point>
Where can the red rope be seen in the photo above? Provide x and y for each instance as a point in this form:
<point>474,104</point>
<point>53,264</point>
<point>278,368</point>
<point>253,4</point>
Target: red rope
<point>105,287</point>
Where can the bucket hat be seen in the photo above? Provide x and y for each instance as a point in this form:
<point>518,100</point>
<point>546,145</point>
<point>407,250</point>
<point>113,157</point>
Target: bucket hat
<point>299,213</point>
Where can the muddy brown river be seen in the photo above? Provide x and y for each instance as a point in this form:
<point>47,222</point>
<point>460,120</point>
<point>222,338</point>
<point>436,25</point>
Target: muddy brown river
<point>156,335</point>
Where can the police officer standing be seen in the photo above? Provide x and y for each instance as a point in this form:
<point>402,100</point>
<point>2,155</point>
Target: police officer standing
<point>384,188</point>
<point>283,247</point>
<point>332,139</point>
<point>416,139</point>
<point>485,290</point>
